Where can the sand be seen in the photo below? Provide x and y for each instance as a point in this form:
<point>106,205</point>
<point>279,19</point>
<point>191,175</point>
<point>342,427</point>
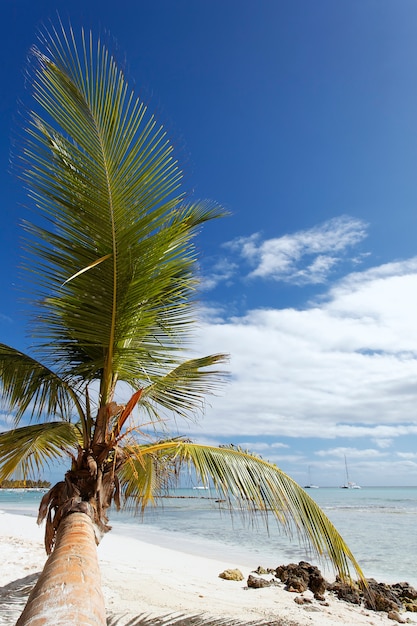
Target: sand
<point>142,578</point>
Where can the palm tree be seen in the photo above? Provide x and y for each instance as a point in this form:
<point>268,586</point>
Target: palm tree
<point>112,264</point>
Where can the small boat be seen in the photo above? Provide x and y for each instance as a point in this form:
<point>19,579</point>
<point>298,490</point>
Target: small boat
<point>349,484</point>
<point>310,484</point>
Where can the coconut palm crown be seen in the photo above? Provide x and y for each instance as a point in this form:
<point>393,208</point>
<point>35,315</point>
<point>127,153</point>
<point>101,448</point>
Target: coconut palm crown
<point>113,267</point>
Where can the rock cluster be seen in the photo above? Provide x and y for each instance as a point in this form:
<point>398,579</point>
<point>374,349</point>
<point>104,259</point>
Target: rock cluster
<point>302,576</point>
<point>378,596</point>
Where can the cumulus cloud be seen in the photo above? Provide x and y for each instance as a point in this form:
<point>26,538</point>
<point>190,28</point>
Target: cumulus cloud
<point>307,256</point>
<point>335,377</point>
<point>344,366</point>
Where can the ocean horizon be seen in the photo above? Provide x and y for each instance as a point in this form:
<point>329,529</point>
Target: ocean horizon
<point>377,523</point>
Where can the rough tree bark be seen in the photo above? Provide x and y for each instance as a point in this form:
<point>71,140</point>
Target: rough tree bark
<point>68,591</point>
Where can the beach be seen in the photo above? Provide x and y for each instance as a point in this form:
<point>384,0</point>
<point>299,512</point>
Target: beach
<point>144,578</point>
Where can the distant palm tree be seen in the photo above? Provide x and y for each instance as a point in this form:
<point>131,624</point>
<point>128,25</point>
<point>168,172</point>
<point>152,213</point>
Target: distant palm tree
<point>113,269</point>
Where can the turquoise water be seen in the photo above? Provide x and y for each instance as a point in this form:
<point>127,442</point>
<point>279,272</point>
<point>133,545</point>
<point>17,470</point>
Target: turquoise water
<point>377,523</point>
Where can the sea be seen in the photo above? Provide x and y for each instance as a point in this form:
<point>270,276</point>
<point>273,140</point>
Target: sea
<point>377,523</point>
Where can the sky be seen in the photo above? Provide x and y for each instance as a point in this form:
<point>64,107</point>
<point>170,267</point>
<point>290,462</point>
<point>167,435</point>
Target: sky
<point>300,118</point>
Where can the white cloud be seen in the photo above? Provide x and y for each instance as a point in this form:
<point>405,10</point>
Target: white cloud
<point>407,455</point>
<point>352,453</point>
<point>222,272</point>
<point>383,443</point>
<point>262,446</point>
<point>307,256</point>
<point>344,367</point>
<point>6,421</point>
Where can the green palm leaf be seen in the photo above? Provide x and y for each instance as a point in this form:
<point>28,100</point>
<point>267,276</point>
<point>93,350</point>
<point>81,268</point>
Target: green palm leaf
<point>29,386</point>
<point>117,268</point>
<point>182,389</point>
<point>26,450</point>
<point>247,482</point>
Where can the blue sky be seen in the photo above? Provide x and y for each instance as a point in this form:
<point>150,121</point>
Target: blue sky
<point>300,118</point>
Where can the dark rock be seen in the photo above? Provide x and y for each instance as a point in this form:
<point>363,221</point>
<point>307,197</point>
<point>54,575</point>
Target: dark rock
<point>409,605</point>
<point>345,592</point>
<point>317,584</point>
<point>396,617</point>
<point>320,598</point>
<point>258,583</point>
<point>302,600</point>
<point>302,576</point>
<point>296,585</point>
<point>381,597</point>
<point>405,590</point>
<point>293,576</point>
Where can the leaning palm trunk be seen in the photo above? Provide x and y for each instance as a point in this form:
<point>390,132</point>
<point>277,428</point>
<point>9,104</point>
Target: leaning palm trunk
<point>68,591</point>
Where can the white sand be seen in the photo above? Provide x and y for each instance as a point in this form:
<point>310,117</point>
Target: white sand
<point>141,578</point>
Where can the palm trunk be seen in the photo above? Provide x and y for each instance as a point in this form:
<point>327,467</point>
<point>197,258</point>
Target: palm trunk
<point>68,591</point>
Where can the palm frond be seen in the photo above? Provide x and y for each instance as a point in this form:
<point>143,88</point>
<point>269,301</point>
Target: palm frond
<point>102,172</point>
<point>250,484</point>
<point>29,386</point>
<point>141,476</point>
<point>27,449</point>
<point>182,389</point>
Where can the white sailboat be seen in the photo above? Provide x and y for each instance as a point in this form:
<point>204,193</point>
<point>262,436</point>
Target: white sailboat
<point>349,484</point>
<point>310,484</point>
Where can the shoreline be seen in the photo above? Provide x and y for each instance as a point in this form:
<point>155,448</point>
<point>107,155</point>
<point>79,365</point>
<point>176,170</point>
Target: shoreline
<point>252,556</point>
<point>203,530</point>
<point>144,578</point>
